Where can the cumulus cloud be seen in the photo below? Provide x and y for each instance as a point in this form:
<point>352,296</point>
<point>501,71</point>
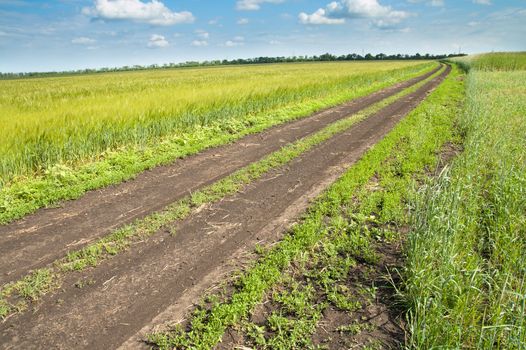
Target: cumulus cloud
<point>242,21</point>
<point>157,40</point>
<point>319,17</point>
<point>337,12</point>
<point>199,43</point>
<point>254,5</point>
<point>83,41</point>
<point>152,12</point>
<point>482,2</point>
<point>202,38</point>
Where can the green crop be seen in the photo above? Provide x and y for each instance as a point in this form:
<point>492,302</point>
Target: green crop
<point>45,121</point>
<point>466,263</point>
<point>496,61</point>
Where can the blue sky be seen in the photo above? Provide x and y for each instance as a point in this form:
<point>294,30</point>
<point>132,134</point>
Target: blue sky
<point>74,34</point>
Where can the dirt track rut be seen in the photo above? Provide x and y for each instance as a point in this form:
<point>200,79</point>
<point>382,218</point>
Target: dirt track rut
<point>160,278</point>
<point>41,238</point>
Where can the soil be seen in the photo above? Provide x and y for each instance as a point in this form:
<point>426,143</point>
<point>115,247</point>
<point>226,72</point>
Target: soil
<point>382,323</point>
<point>159,279</point>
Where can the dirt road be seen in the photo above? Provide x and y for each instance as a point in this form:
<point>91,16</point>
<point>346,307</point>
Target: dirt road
<point>41,238</point>
<point>160,278</point>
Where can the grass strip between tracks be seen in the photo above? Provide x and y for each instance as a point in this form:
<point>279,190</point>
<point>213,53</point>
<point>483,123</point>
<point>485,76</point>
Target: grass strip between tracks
<point>25,194</point>
<point>15,296</point>
<point>420,134</point>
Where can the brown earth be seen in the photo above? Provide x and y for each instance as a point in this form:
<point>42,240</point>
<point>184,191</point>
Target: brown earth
<point>381,323</point>
<point>377,323</point>
<point>160,278</point>
<point>41,238</point>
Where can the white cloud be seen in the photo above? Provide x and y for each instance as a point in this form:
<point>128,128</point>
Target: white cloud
<point>157,40</point>
<point>236,41</point>
<point>337,12</point>
<point>274,42</point>
<point>199,43</point>
<point>3,33</point>
<point>482,2</point>
<point>202,34</point>
<point>319,17</point>
<point>242,21</point>
<point>435,3</point>
<point>254,5</point>
<point>152,12</point>
<point>83,41</point>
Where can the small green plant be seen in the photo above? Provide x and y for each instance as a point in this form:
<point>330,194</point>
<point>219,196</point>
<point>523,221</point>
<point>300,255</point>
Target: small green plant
<point>355,328</point>
<point>35,285</point>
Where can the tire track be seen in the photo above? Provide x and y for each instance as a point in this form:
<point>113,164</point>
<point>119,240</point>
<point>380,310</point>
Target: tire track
<point>160,278</point>
<point>48,235</point>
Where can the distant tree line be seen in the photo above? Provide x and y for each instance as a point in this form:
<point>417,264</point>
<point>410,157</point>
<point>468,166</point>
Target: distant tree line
<point>326,57</point>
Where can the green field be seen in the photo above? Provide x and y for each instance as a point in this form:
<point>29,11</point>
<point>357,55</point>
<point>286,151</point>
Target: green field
<point>424,233</point>
<point>497,61</point>
<point>50,120</point>
<point>64,136</point>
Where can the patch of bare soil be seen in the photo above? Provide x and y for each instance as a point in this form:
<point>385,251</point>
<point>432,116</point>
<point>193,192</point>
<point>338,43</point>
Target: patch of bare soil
<point>378,323</point>
<point>447,153</point>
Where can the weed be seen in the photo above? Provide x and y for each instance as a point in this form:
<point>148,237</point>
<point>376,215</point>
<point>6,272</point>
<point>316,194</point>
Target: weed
<point>355,328</point>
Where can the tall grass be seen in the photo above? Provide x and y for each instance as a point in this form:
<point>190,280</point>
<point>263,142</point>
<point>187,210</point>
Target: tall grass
<point>68,119</point>
<point>466,263</point>
<point>496,61</point>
